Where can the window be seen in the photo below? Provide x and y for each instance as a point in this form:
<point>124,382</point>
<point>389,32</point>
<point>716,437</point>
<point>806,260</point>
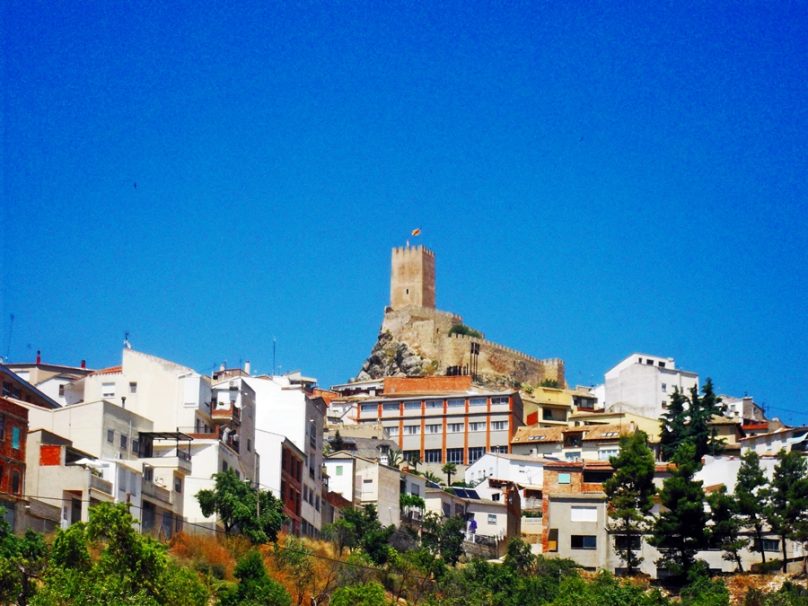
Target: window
<point>563,478</point>
<point>413,405</point>
<point>499,400</point>
<point>434,404</point>
<point>455,427</point>
<point>178,485</point>
<point>457,403</point>
<point>552,540</point>
<point>476,426</point>
<point>574,455</point>
<point>622,541</point>
<point>432,456</point>
<point>124,442</point>
<point>502,449</point>
<point>317,503</point>
<point>249,445</point>
<point>649,362</point>
<point>596,477</point>
<point>339,469</point>
<point>475,453</point>
<point>61,391</point>
<point>369,409</point>
<point>499,425</point>
<point>15,482</point>
<point>573,440</point>
<point>391,407</point>
<point>392,432</point>
<point>411,455</point>
<point>136,446</point>
<point>768,545</point>
<point>492,518</point>
<point>583,541</point>
<point>478,402</point>
<point>107,390</point>
<point>411,430</point>
<point>662,364</point>
<point>604,454</point>
<point>664,388</point>
<point>454,455</point>
<point>435,428</point>
<point>367,481</point>
<point>2,427</point>
<point>132,386</point>
<point>15,438</point>
<point>583,513</point>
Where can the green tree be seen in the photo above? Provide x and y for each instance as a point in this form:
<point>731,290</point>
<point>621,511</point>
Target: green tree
<point>443,536</point>
<point>449,469</point>
<point>366,594</point>
<point>361,528</point>
<point>788,498</point>
<point>337,443</point>
<point>254,587</point>
<point>22,559</point>
<point>242,508</point>
<point>680,530</point>
<point>549,383</point>
<point>395,458</point>
<point>630,492</point>
<point>725,533</point>
<point>107,561</point>
<point>688,420</point>
<point>751,494</point>
<point>431,477</point>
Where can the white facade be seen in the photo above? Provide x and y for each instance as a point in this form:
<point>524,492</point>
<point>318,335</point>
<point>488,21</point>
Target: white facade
<point>769,444</point>
<point>643,384</point>
<point>284,408</point>
<point>519,469</point>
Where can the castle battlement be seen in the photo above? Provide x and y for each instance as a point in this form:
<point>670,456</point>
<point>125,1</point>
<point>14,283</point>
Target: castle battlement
<point>413,250</point>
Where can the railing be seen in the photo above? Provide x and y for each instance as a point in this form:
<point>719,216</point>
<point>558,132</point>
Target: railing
<point>100,484</point>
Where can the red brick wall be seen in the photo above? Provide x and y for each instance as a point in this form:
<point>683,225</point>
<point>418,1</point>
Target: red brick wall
<point>424,385</point>
<point>12,459</point>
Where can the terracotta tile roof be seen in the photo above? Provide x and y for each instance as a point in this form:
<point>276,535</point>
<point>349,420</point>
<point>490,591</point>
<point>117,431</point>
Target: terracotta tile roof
<point>108,371</point>
<point>545,435</point>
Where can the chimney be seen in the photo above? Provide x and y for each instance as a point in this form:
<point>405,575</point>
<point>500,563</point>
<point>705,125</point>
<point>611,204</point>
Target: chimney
<point>247,368</point>
<point>38,357</point>
<point>84,363</point>
<point>222,366</point>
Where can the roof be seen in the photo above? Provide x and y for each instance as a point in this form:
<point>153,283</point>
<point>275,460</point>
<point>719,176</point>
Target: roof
<point>527,435</point>
<point>777,432</point>
<point>46,400</point>
<point>111,370</point>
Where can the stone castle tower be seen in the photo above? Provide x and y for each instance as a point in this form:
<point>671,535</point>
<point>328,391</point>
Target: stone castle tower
<point>416,339</point>
<point>412,277</point>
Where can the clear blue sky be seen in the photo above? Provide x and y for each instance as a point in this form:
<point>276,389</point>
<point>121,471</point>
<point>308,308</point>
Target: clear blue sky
<point>595,180</point>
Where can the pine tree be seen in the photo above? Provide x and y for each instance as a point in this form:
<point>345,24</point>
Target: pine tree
<point>630,492</point>
<point>727,525</point>
<point>680,531</point>
<point>688,419</point>
<point>788,498</point>
<point>750,496</point>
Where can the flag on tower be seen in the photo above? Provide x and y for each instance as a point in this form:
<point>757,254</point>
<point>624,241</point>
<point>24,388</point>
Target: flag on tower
<point>416,231</point>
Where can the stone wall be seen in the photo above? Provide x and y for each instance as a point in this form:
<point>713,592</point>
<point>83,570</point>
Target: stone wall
<point>422,334</point>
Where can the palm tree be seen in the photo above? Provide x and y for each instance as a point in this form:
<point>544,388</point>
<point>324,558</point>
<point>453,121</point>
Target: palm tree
<point>395,458</point>
<point>431,477</point>
<point>449,469</point>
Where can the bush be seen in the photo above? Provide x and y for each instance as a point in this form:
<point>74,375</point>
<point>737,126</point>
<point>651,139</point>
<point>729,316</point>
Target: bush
<point>462,329</point>
<point>366,594</point>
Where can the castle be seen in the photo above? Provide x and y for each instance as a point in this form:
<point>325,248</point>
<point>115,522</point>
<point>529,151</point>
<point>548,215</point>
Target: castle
<point>418,339</point>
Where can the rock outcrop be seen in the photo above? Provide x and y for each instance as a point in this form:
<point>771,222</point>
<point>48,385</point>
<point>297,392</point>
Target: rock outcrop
<point>392,358</point>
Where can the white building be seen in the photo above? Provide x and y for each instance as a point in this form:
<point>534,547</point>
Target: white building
<point>365,482</point>
<point>285,407</point>
<point>643,384</point>
<point>769,444</point>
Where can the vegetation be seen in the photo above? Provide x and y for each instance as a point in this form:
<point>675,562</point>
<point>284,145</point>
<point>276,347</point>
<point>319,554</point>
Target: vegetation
<point>449,469</point>
<point>462,329</point>
<point>550,383</point>
<point>688,420</point>
<point>630,492</point>
<point>680,531</point>
<point>243,508</point>
<point>751,496</point>
<point>787,506</point>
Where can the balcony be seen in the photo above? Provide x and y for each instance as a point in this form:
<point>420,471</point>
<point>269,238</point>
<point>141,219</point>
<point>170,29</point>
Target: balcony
<point>150,489</point>
<point>100,484</point>
<point>226,412</point>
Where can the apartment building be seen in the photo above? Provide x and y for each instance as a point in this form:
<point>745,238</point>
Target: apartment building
<point>438,420</point>
<point>552,406</point>
<point>50,379</point>
<point>643,384</point>
<point>286,407</point>
<point>587,442</point>
<point>365,482</point>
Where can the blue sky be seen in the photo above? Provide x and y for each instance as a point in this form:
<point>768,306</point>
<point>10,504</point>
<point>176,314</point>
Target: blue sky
<point>595,180</point>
